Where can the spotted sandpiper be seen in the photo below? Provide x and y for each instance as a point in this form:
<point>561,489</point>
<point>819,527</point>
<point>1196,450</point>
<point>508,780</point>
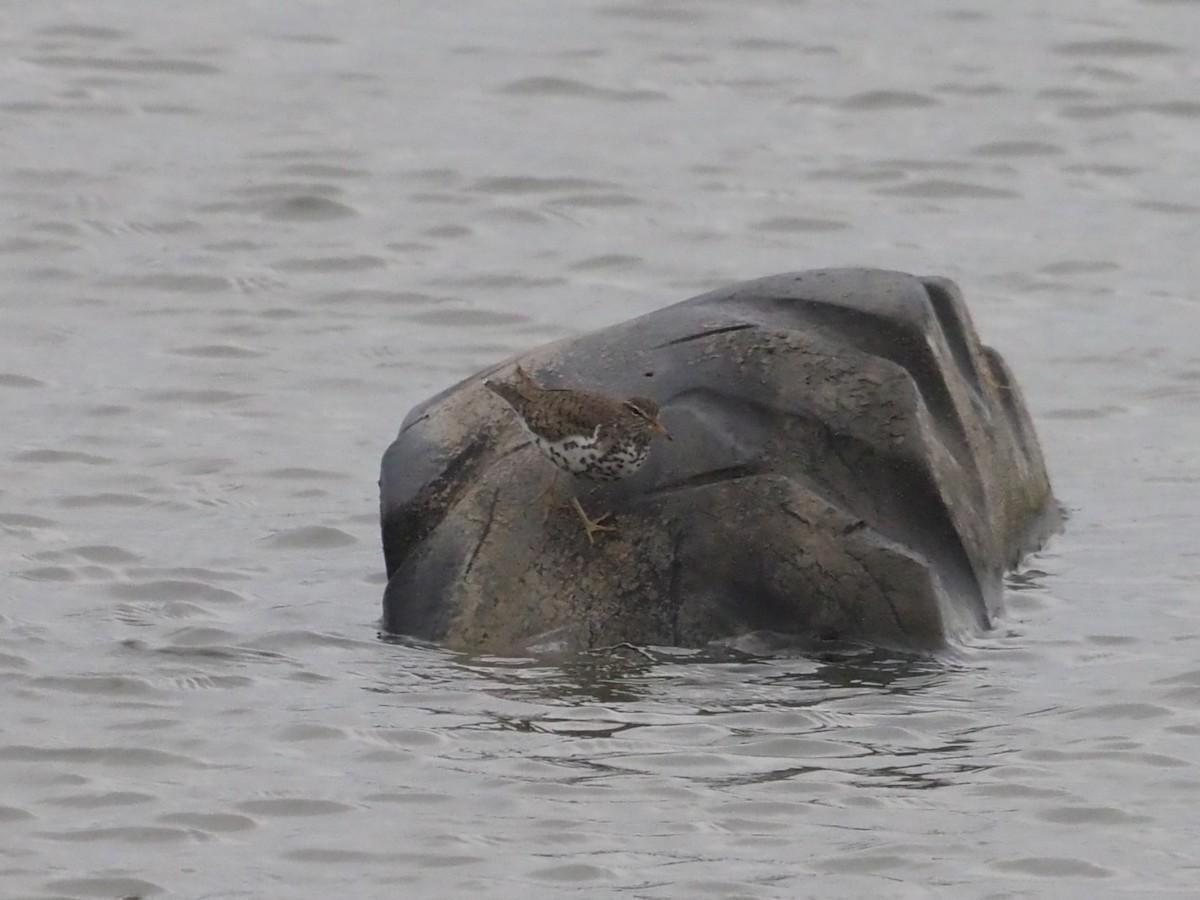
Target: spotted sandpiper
<point>584,433</point>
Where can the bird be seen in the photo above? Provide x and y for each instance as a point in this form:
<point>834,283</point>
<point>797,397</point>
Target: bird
<point>584,433</point>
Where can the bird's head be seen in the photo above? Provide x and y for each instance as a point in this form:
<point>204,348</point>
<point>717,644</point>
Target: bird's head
<point>646,409</point>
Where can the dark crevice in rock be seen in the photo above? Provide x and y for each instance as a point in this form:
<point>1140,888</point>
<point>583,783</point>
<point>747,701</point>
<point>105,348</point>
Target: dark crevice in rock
<point>406,526</point>
<point>951,316</point>
<point>703,334</point>
<point>714,476</point>
<point>674,596</point>
<point>483,535</point>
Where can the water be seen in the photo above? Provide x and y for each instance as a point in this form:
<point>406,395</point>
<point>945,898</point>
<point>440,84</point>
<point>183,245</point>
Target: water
<point>241,240</point>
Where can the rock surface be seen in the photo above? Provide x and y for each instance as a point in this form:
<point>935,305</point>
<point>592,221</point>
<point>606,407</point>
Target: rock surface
<point>848,462</point>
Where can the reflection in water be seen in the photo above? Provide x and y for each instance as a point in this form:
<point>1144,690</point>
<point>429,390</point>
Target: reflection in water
<point>627,673</point>
<point>855,715</point>
<point>1030,579</point>
<point>898,672</point>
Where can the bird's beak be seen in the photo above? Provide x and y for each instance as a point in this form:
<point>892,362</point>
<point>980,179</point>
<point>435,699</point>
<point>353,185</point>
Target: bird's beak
<point>658,427</point>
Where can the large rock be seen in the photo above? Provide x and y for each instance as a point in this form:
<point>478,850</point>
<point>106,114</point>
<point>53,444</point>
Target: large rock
<point>849,462</point>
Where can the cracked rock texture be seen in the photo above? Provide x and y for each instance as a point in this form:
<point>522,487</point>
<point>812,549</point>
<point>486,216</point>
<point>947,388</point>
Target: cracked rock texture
<point>849,463</point>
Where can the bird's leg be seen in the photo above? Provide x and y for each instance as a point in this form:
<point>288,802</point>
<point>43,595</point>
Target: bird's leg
<point>589,524</point>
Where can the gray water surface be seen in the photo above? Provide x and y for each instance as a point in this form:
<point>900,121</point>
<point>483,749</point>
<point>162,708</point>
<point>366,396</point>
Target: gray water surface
<point>240,240</point>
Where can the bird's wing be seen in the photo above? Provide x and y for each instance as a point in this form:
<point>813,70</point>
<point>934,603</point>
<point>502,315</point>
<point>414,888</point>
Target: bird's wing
<point>571,413</point>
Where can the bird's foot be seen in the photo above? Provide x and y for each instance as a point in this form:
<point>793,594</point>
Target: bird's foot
<point>590,525</point>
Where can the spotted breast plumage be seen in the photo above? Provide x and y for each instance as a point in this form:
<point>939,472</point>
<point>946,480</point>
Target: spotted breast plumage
<point>585,433</point>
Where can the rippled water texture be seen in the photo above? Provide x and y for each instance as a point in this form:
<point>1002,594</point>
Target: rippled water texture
<point>241,240</point>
